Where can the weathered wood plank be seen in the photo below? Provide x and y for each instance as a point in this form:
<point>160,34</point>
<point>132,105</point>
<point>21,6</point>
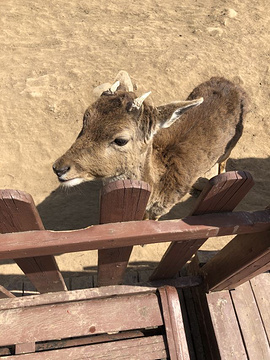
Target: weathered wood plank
<point>4,293</point>
<point>226,327</point>
<point>25,348</point>
<point>80,318</point>
<point>123,200</point>
<point>174,325</point>
<point>87,340</point>
<point>149,348</point>
<point>261,290</point>
<point>18,213</point>
<point>250,323</point>
<point>241,259</point>
<point>75,295</point>
<point>222,193</point>
<point>34,243</point>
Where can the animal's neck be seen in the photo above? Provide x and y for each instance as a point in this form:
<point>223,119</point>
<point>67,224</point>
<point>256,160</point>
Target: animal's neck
<point>151,169</point>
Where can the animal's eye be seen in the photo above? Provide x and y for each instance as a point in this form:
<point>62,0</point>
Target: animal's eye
<point>120,142</point>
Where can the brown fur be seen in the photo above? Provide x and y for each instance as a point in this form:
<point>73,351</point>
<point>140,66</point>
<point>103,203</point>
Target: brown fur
<point>169,159</point>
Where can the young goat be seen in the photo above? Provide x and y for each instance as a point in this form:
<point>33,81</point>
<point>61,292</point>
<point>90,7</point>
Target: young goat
<point>169,146</point>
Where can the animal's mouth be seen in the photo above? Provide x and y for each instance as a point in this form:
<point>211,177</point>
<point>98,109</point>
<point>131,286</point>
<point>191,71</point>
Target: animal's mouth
<point>70,182</point>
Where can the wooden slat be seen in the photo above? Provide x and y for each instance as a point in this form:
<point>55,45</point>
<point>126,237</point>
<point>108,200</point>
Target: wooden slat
<point>34,243</point>
<point>174,325</point>
<point>123,200</point>
<point>79,318</point>
<point>241,259</point>
<point>250,322</point>
<point>4,293</point>
<point>148,348</point>
<point>25,348</point>
<point>87,340</point>
<point>18,213</point>
<point>202,314</point>
<point>261,290</point>
<point>222,193</point>
<point>75,295</point>
<point>226,327</point>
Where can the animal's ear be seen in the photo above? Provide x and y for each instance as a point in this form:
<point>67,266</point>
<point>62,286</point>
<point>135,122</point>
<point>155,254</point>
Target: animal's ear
<point>122,82</point>
<point>169,113</point>
<point>125,81</point>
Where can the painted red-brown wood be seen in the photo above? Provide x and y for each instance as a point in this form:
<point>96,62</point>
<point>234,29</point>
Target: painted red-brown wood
<point>261,290</point>
<point>18,213</point>
<point>241,259</point>
<point>222,193</point>
<point>123,200</point>
<point>148,348</point>
<point>75,295</point>
<point>174,325</point>
<point>87,340</point>
<point>46,242</point>
<point>79,318</point>
<point>4,293</point>
<point>250,322</point>
<point>227,332</point>
<point>25,348</point>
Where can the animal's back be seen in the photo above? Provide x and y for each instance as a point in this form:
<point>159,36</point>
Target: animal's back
<point>211,129</point>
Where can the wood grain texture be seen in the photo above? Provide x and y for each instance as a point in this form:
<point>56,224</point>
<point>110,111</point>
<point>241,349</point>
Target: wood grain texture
<point>75,295</point>
<point>250,322</point>
<point>241,259</point>
<point>148,348</point>
<point>226,327</point>
<point>79,318</point>
<point>222,193</point>
<point>261,290</point>
<point>18,213</point>
<point>123,200</point>
<point>174,325</point>
<point>35,243</point>
<point>4,293</point>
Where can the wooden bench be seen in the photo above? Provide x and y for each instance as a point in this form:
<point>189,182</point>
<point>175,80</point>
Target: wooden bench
<point>143,321</point>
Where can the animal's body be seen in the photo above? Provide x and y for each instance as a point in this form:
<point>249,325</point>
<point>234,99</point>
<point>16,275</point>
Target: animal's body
<point>169,146</point>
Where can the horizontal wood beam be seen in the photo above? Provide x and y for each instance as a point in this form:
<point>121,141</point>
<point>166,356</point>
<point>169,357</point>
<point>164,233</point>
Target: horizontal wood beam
<point>240,260</point>
<point>45,242</point>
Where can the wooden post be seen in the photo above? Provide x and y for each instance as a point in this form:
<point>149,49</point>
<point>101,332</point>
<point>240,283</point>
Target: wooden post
<point>222,193</point>
<point>18,213</point>
<point>123,200</point>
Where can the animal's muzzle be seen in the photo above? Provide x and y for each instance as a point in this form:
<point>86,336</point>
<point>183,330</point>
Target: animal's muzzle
<point>60,171</point>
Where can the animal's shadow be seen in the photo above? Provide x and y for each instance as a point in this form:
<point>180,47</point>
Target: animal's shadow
<point>79,207</point>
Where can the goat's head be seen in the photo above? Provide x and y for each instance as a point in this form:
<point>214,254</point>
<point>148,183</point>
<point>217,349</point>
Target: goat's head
<point>116,136</point>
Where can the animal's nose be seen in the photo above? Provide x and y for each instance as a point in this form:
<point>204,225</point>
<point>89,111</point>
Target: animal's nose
<point>61,171</point>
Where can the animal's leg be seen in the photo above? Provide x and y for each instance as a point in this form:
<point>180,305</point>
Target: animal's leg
<point>200,183</point>
<point>222,167</point>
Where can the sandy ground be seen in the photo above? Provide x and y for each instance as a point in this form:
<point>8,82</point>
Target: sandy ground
<point>53,53</point>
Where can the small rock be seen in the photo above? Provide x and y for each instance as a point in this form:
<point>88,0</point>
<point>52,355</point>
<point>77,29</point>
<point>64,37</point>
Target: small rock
<point>231,13</point>
<point>215,31</point>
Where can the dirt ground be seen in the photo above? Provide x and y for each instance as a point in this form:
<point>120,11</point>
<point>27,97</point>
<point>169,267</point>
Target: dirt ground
<point>53,53</point>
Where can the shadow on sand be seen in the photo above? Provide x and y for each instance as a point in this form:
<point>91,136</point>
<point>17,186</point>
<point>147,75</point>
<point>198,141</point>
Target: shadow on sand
<point>79,207</point>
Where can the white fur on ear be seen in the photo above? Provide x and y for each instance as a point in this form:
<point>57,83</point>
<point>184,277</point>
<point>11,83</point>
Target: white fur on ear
<point>184,106</point>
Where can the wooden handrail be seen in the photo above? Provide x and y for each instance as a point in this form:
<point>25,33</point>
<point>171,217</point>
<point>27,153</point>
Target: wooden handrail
<point>46,242</point>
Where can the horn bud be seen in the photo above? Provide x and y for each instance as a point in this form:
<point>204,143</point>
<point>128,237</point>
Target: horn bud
<point>137,103</point>
<point>114,87</point>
